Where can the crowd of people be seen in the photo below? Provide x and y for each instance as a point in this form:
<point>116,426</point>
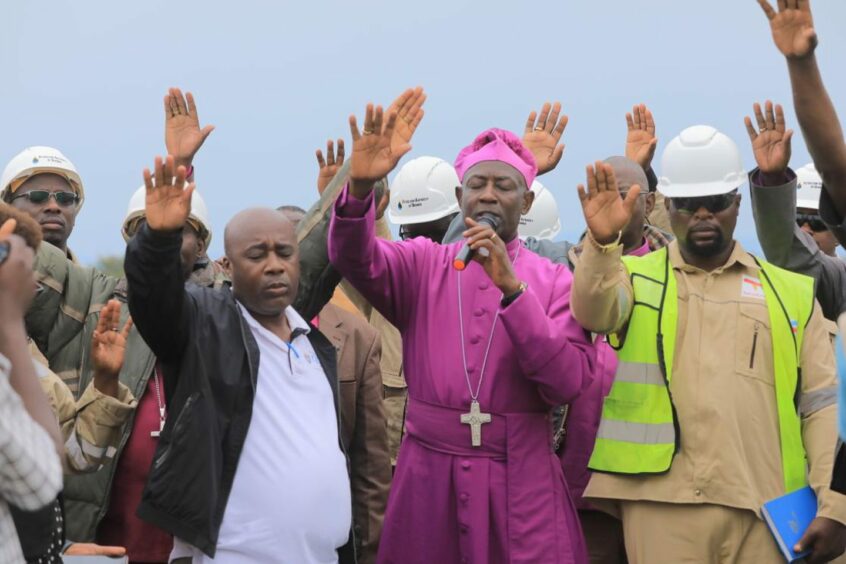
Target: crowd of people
<point>473,392</point>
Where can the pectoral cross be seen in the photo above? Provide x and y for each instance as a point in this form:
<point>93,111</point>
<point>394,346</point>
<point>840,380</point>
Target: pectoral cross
<point>475,419</point>
<point>155,434</point>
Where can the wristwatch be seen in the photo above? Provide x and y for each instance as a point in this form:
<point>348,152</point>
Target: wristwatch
<point>508,300</point>
<point>4,251</point>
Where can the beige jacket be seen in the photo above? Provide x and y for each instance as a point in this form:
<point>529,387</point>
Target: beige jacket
<point>722,386</point>
<point>91,426</point>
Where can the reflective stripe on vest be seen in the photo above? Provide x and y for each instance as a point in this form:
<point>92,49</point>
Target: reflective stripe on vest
<point>638,432</point>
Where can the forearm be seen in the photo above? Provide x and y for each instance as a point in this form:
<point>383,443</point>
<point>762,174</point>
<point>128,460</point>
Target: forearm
<point>157,298</point>
<point>554,350</point>
<point>819,433</point>
<point>380,270</point>
<point>819,123</point>
<point>24,381</point>
<point>93,431</point>
<point>602,293</point>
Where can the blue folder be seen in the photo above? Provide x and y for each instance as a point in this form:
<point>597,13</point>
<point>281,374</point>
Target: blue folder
<point>788,518</point>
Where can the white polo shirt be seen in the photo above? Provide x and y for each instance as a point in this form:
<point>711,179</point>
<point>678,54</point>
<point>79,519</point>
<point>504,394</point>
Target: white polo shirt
<point>290,498</point>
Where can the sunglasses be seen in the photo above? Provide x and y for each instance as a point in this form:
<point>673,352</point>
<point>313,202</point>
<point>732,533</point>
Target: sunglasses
<point>812,220</point>
<point>42,196</point>
<point>713,204</point>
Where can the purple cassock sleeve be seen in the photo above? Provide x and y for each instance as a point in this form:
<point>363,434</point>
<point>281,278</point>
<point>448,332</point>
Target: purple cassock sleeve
<point>554,351</point>
<point>385,273</point>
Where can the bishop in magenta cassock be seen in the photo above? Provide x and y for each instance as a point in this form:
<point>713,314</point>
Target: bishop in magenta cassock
<point>488,352</point>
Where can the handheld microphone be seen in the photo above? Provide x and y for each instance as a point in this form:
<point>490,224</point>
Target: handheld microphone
<point>465,255</point>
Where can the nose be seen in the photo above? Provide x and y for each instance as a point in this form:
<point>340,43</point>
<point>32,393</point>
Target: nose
<point>52,205</point>
<point>274,265</point>
<point>489,193</point>
<point>703,213</point>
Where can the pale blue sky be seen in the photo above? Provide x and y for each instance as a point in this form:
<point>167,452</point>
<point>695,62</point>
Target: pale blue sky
<point>278,78</point>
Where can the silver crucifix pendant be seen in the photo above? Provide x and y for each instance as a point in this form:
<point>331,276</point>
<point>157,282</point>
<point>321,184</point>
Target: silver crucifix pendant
<point>475,419</point>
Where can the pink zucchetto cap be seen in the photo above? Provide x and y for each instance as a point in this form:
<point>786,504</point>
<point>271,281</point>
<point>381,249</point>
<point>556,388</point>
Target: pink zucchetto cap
<point>498,145</point>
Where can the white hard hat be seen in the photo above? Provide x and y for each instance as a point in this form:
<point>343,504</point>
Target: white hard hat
<point>701,161</point>
<point>38,160</point>
<point>198,218</point>
<point>542,221</point>
<point>422,191</point>
<point>808,187</point>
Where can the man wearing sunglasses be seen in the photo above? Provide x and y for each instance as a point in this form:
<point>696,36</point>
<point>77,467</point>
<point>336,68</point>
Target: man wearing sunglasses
<point>44,184</point>
<point>707,418</point>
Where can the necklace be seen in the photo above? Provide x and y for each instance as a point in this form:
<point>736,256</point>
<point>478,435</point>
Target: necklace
<point>157,386</point>
<point>475,418</point>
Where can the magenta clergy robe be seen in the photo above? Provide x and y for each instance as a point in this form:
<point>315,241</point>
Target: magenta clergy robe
<point>506,501</point>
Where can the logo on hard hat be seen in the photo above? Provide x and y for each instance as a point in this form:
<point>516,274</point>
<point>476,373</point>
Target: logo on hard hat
<point>399,205</point>
<point>34,160</point>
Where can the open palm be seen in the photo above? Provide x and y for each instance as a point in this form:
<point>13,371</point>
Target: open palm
<point>792,27</point>
<point>183,135</point>
<point>640,137</point>
<point>542,136</point>
<point>373,153</point>
<point>771,142</point>
<point>606,213</point>
<point>168,200</point>
<point>409,109</point>
<point>108,344</point>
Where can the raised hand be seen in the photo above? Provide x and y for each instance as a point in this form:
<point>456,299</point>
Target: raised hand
<point>329,166</point>
<point>606,213</point>
<point>409,109</point>
<point>640,139</point>
<point>183,135</point>
<point>168,197</point>
<point>771,143</point>
<point>542,136</point>
<point>373,153</point>
<point>792,27</point>
<point>108,346</point>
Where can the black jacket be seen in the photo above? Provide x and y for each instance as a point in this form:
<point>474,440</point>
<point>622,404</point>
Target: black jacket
<point>210,363</point>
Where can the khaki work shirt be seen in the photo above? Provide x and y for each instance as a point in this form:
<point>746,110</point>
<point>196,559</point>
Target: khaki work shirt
<point>722,386</point>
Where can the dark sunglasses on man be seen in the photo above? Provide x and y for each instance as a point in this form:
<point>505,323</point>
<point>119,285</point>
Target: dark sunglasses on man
<point>813,220</point>
<point>42,196</point>
<point>713,204</point>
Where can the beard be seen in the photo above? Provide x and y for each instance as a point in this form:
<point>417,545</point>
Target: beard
<point>706,250</point>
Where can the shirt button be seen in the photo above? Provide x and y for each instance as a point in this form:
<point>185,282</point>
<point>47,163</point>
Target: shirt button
<point>479,312</point>
<point>471,368</point>
<point>484,286</point>
<point>464,528</point>
<point>475,340</point>
<point>465,464</point>
<point>698,492</point>
<point>464,497</point>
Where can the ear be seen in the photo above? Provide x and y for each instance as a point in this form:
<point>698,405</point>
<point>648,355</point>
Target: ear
<point>528,200</point>
<point>650,203</point>
<point>227,266</point>
<point>201,247</point>
<point>458,193</point>
<point>737,201</point>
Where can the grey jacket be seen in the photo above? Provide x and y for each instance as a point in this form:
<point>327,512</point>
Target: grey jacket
<point>786,245</point>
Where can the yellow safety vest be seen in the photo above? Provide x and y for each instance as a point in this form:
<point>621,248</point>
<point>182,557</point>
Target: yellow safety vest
<point>639,431</point>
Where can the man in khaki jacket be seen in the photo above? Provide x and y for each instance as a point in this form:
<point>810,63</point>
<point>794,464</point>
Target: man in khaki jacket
<point>727,461</point>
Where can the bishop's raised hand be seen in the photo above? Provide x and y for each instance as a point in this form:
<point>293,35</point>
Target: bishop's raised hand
<point>373,153</point>
<point>542,136</point>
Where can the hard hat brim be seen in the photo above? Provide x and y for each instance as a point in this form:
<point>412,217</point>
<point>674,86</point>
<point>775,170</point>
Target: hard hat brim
<point>402,219</point>
<point>670,190</point>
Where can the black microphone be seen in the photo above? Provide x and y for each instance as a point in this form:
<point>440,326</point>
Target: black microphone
<point>465,255</point>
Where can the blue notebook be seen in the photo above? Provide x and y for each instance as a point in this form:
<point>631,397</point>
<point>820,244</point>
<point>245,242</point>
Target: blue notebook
<point>788,518</point>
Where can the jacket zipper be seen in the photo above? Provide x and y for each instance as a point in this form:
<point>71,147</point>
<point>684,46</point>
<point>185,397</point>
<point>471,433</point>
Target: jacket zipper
<point>754,346</point>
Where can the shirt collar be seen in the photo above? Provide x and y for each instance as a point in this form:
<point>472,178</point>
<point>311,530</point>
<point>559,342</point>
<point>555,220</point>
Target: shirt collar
<point>295,320</point>
<point>738,256</point>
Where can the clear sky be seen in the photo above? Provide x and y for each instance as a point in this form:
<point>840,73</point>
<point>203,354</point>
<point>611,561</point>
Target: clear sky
<point>279,78</point>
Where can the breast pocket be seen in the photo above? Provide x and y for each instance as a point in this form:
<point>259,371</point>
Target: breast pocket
<point>754,350</point>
